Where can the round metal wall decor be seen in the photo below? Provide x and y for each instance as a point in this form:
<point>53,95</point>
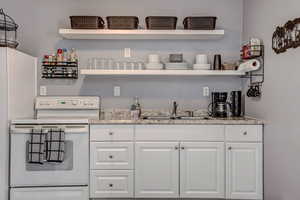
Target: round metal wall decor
<point>286,37</point>
<point>8,31</point>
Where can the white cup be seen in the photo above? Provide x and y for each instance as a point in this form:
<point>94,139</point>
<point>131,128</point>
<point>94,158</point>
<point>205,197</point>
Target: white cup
<point>154,58</point>
<point>201,59</point>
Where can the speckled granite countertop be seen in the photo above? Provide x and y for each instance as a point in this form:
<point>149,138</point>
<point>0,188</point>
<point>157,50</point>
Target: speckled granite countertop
<point>117,116</point>
<point>227,121</point>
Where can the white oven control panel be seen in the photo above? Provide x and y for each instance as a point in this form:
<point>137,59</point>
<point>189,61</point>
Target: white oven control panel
<point>74,102</point>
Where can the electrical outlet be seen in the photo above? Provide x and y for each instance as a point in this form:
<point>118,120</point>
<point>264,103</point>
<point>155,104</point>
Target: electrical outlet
<point>43,90</point>
<point>205,91</point>
<point>117,91</point>
<point>127,53</point>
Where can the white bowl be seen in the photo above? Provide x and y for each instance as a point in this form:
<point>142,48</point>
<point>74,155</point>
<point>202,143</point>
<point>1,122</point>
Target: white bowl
<point>201,66</point>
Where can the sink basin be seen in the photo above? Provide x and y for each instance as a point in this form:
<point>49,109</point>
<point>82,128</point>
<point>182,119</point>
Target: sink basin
<point>176,118</point>
<point>157,118</point>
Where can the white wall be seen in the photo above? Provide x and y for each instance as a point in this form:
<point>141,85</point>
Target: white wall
<point>280,102</point>
<point>39,35</point>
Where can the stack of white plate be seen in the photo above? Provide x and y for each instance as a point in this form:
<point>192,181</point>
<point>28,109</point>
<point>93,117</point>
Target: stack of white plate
<point>201,66</point>
<point>177,66</point>
<point>154,66</point>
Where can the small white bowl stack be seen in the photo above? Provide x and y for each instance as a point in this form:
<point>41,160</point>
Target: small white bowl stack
<point>201,62</point>
<point>154,62</point>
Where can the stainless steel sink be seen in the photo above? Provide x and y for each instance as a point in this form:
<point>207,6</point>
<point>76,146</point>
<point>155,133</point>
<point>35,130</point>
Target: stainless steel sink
<point>175,118</point>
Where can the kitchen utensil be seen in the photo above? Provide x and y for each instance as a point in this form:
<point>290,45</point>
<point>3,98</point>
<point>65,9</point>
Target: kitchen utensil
<point>236,103</point>
<point>177,66</point>
<point>154,66</point>
<point>154,58</point>
<point>201,59</point>
<point>217,62</point>
<point>176,58</point>
<point>201,66</point>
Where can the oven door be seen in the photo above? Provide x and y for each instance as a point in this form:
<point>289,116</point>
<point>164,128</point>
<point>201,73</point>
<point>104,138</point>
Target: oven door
<point>73,171</point>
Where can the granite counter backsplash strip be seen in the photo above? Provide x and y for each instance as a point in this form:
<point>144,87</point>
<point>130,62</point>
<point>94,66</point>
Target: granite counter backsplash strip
<point>117,116</point>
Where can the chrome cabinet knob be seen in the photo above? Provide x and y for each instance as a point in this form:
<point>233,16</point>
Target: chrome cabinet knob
<point>182,148</point>
<point>229,148</point>
<point>111,156</point>
<point>245,133</point>
<point>111,185</point>
<point>176,147</point>
<point>110,133</point>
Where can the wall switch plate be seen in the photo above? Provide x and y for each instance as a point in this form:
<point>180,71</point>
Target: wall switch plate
<point>206,91</point>
<point>43,90</point>
<point>117,91</point>
<point>127,53</point>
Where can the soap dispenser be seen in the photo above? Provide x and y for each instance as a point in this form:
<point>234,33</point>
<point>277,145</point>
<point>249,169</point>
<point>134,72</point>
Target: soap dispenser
<point>136,110</point>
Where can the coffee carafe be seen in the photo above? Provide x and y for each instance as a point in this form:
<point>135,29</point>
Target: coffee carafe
<point>219,106</point>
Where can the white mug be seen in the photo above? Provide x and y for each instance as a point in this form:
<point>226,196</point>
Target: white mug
<point>201,59</point>
<point>154,58</point>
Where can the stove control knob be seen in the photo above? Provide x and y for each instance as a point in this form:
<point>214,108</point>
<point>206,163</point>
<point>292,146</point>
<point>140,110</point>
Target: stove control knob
<point>74,103</point>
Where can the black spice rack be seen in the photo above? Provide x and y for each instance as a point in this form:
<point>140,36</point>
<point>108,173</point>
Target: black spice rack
<point>60,70</point>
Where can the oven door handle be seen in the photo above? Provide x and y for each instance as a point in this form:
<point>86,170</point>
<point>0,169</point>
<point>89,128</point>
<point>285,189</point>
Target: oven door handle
<point>67,129</point>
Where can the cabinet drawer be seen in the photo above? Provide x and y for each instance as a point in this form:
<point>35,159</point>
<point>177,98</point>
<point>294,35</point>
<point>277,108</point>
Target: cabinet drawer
<point>111,133</point>
<point>111,184</point>
<point>111,155</point>
<point>180,133</point>
<point>246,133</point>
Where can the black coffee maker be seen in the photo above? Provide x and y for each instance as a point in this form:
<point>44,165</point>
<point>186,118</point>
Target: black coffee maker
<point>219,105</point>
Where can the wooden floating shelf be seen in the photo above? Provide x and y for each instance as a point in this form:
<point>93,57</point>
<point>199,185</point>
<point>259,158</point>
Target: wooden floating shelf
<point>141,34</point>
<point>161,72</point>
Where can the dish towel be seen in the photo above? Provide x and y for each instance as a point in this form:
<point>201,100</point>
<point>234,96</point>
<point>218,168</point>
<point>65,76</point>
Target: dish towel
<point>55,145</point>
<point>36,146</point>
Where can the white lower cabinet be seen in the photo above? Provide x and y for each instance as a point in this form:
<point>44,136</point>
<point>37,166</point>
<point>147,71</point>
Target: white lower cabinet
<point>202,170</point>
<point>244,171</point>
<point>111,184</point>
<point>176,161</point>
<point>156,169</point>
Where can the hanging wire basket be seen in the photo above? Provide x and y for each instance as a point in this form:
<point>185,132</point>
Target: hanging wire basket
<point>8,31</point>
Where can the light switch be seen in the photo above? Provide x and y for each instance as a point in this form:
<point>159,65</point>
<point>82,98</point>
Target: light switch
<point>117,91</point>
<point>43,90</point>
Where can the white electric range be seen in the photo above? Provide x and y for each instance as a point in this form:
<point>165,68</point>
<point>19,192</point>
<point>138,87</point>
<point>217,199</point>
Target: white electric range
<point>66,180</point>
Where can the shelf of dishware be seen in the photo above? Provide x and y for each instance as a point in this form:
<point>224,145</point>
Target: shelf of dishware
<point>101,72</point>
<point>141,34</point>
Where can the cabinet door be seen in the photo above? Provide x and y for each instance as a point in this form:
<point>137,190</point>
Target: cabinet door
<point>157,169</point>
<point>202,170</point>
<point>244,171</point>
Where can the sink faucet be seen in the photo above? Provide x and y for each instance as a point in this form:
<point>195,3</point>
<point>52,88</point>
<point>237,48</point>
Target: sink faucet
<point>174,109</point>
